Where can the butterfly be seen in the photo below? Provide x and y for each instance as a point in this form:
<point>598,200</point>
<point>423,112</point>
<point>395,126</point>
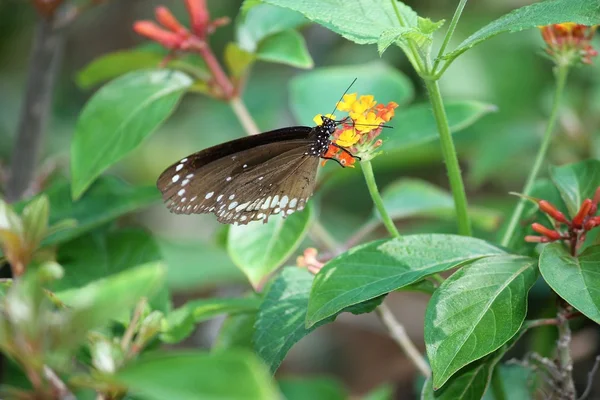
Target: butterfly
<point>251,178</point>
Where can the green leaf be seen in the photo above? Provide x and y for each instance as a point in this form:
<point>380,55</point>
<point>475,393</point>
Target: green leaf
<point>427,26</point>
<point>237,60</point>
<point>112,298</point>
<point>259,249</point>
<point>263,20</point>
<point>575,279</point>
<point>35,220</point>
<point>98,255</point>
<point>416,125</point>
<point>361,21</point>
<point>184,375</point>
<point>576,182</point>
<point>318,91</point>
<point>115,64</point>
<point>384,392</point>
<point>379,267</point>
<point>397,35</point>
<point>312,388</point>
<point>475,311</point>
<point>519,383</point>
<point>280,322</point>
<point>585,12</point>
<point>107,199</point>
<point>181,323</point>
<point>236,331</point>
<point>119,117</point>
<point>287,47</point>
<point>408,198</point>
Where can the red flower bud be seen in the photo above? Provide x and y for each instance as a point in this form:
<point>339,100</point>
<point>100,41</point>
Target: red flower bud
<point>550,234</point>
<point>549,209</point>
<point>591,223</point>
<point>199,16</point>
<point>583,212</point>
<point>595,202</point>
<point>152,31</point>
<point>168,20</point>
<point>536,239</point>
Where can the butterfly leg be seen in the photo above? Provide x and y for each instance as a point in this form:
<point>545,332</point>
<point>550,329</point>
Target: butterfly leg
<point>345,151</point>
<point>334,159</point>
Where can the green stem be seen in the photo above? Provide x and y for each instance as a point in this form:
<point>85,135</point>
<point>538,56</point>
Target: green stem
<point>367,169</point>
<point>561,79</point>
<point>450,158</point>
<point>415,56</point>
<point>497,387</point>
<point>449,33</point>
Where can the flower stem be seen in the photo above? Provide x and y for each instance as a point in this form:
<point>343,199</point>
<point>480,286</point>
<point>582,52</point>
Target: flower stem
<point>240,110</point>
<point>367,169</point>
<point>564,353</point>
<point>398,333</point>
<point>561,79</point>
<point>450,158</point>
<point>449,33</point>
<point>415,57</point>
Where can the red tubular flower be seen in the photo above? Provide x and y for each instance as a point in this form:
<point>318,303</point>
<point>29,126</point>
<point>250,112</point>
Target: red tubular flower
<point>536,239</point>
<point>550,234</point>
<point>551,210</point>
<point>168,20</point>
<point>584,211</point>
<point>199,16</point>
<point>154,32</point>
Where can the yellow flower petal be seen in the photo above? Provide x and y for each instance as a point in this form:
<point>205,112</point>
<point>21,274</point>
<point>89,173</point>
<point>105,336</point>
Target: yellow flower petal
<point>347,101</point>
<point>367,101</point>
<point>347,138</point>
<point>368,123</point>
<point>318,119</point>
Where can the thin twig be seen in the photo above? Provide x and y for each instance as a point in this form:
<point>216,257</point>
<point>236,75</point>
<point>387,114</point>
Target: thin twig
<point>132,328</point>
<point>60,389</point>
<point>549,321</point>
<point>398,333</point>
<point>590,381</point>
<point>44,63</point>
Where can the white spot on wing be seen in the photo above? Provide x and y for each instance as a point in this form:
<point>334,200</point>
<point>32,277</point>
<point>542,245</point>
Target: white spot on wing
<point>179,167</point>
<point>181,192</point>
<point>275,201</point>
<point>208,195</point>
<point>293,202</point>
<point>232,205</point>
<point>284,201</point>
<point>175,178</point>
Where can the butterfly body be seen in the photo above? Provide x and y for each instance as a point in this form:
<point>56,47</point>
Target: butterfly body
<point>251,178</point>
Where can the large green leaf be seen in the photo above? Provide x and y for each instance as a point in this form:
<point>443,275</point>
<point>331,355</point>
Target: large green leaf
<point>119,117</point>
<point>575,279</point>
<point>379,267</point>
<point>475,311</point>
<point>199,376</point>
<point>416,125</point>
<point>585,12</point>
<point>287,47</point>
<point>576,182</point>
<point>259,249</point>
<point>112,298</point>
<point>180,323</point>
<point>237,331</point>
<point>408,198</point>
<point>280,322</point>
<point>263,20</point>
<point>107,199</point>
<point>317,92</point>
<point>361,21</point>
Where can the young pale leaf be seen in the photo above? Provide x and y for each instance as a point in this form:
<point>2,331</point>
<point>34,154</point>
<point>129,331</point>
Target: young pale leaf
<point>35,220</point>
<point>416,125</point>
<point>575,279</point>
<point>259,249</point>
<point>112,298</point>
<point>119,117</point>
<point>263,20</point>
<point>287,47</point>
<point>475,311</point>
<point>180,323</point>
<point>187,375</point>
<point>238,60</point>
<point>361,21</point>
<point>576,182</point>
<point>408,198</point>
<point>377,268</point>
<point>319,90</point>
<point>107,199</point>
<point>280,322</point>
<point>585,12</point>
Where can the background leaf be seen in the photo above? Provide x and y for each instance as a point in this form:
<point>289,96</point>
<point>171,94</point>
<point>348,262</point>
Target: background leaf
<point>119,117</point>
<point>286,47</point>
<point>576,182</point>
<point>376,78</point>
<point>195,375</point>
<point>312,388</point>
<point>586,12</point>
<point>259,249</point>
<point>575,279</point>
<point>379,267</point>
<point>461,328</point>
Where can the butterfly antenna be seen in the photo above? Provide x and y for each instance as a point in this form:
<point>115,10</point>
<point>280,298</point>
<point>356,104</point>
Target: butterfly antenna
<point>382,126</point>
<point>342,98</point>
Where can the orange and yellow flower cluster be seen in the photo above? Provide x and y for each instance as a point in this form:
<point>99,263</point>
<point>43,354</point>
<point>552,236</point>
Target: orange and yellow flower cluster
<point>359,134</point>
<point>569,43</point>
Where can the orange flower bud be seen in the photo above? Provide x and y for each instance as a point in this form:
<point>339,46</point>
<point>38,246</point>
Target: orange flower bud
<point>583,212</point>
<point>549,209</point>
<point>550,234</point>
<point>536,239</point>
<point>168,20</point>
<point>152,31</point>
<point>199,16</point>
